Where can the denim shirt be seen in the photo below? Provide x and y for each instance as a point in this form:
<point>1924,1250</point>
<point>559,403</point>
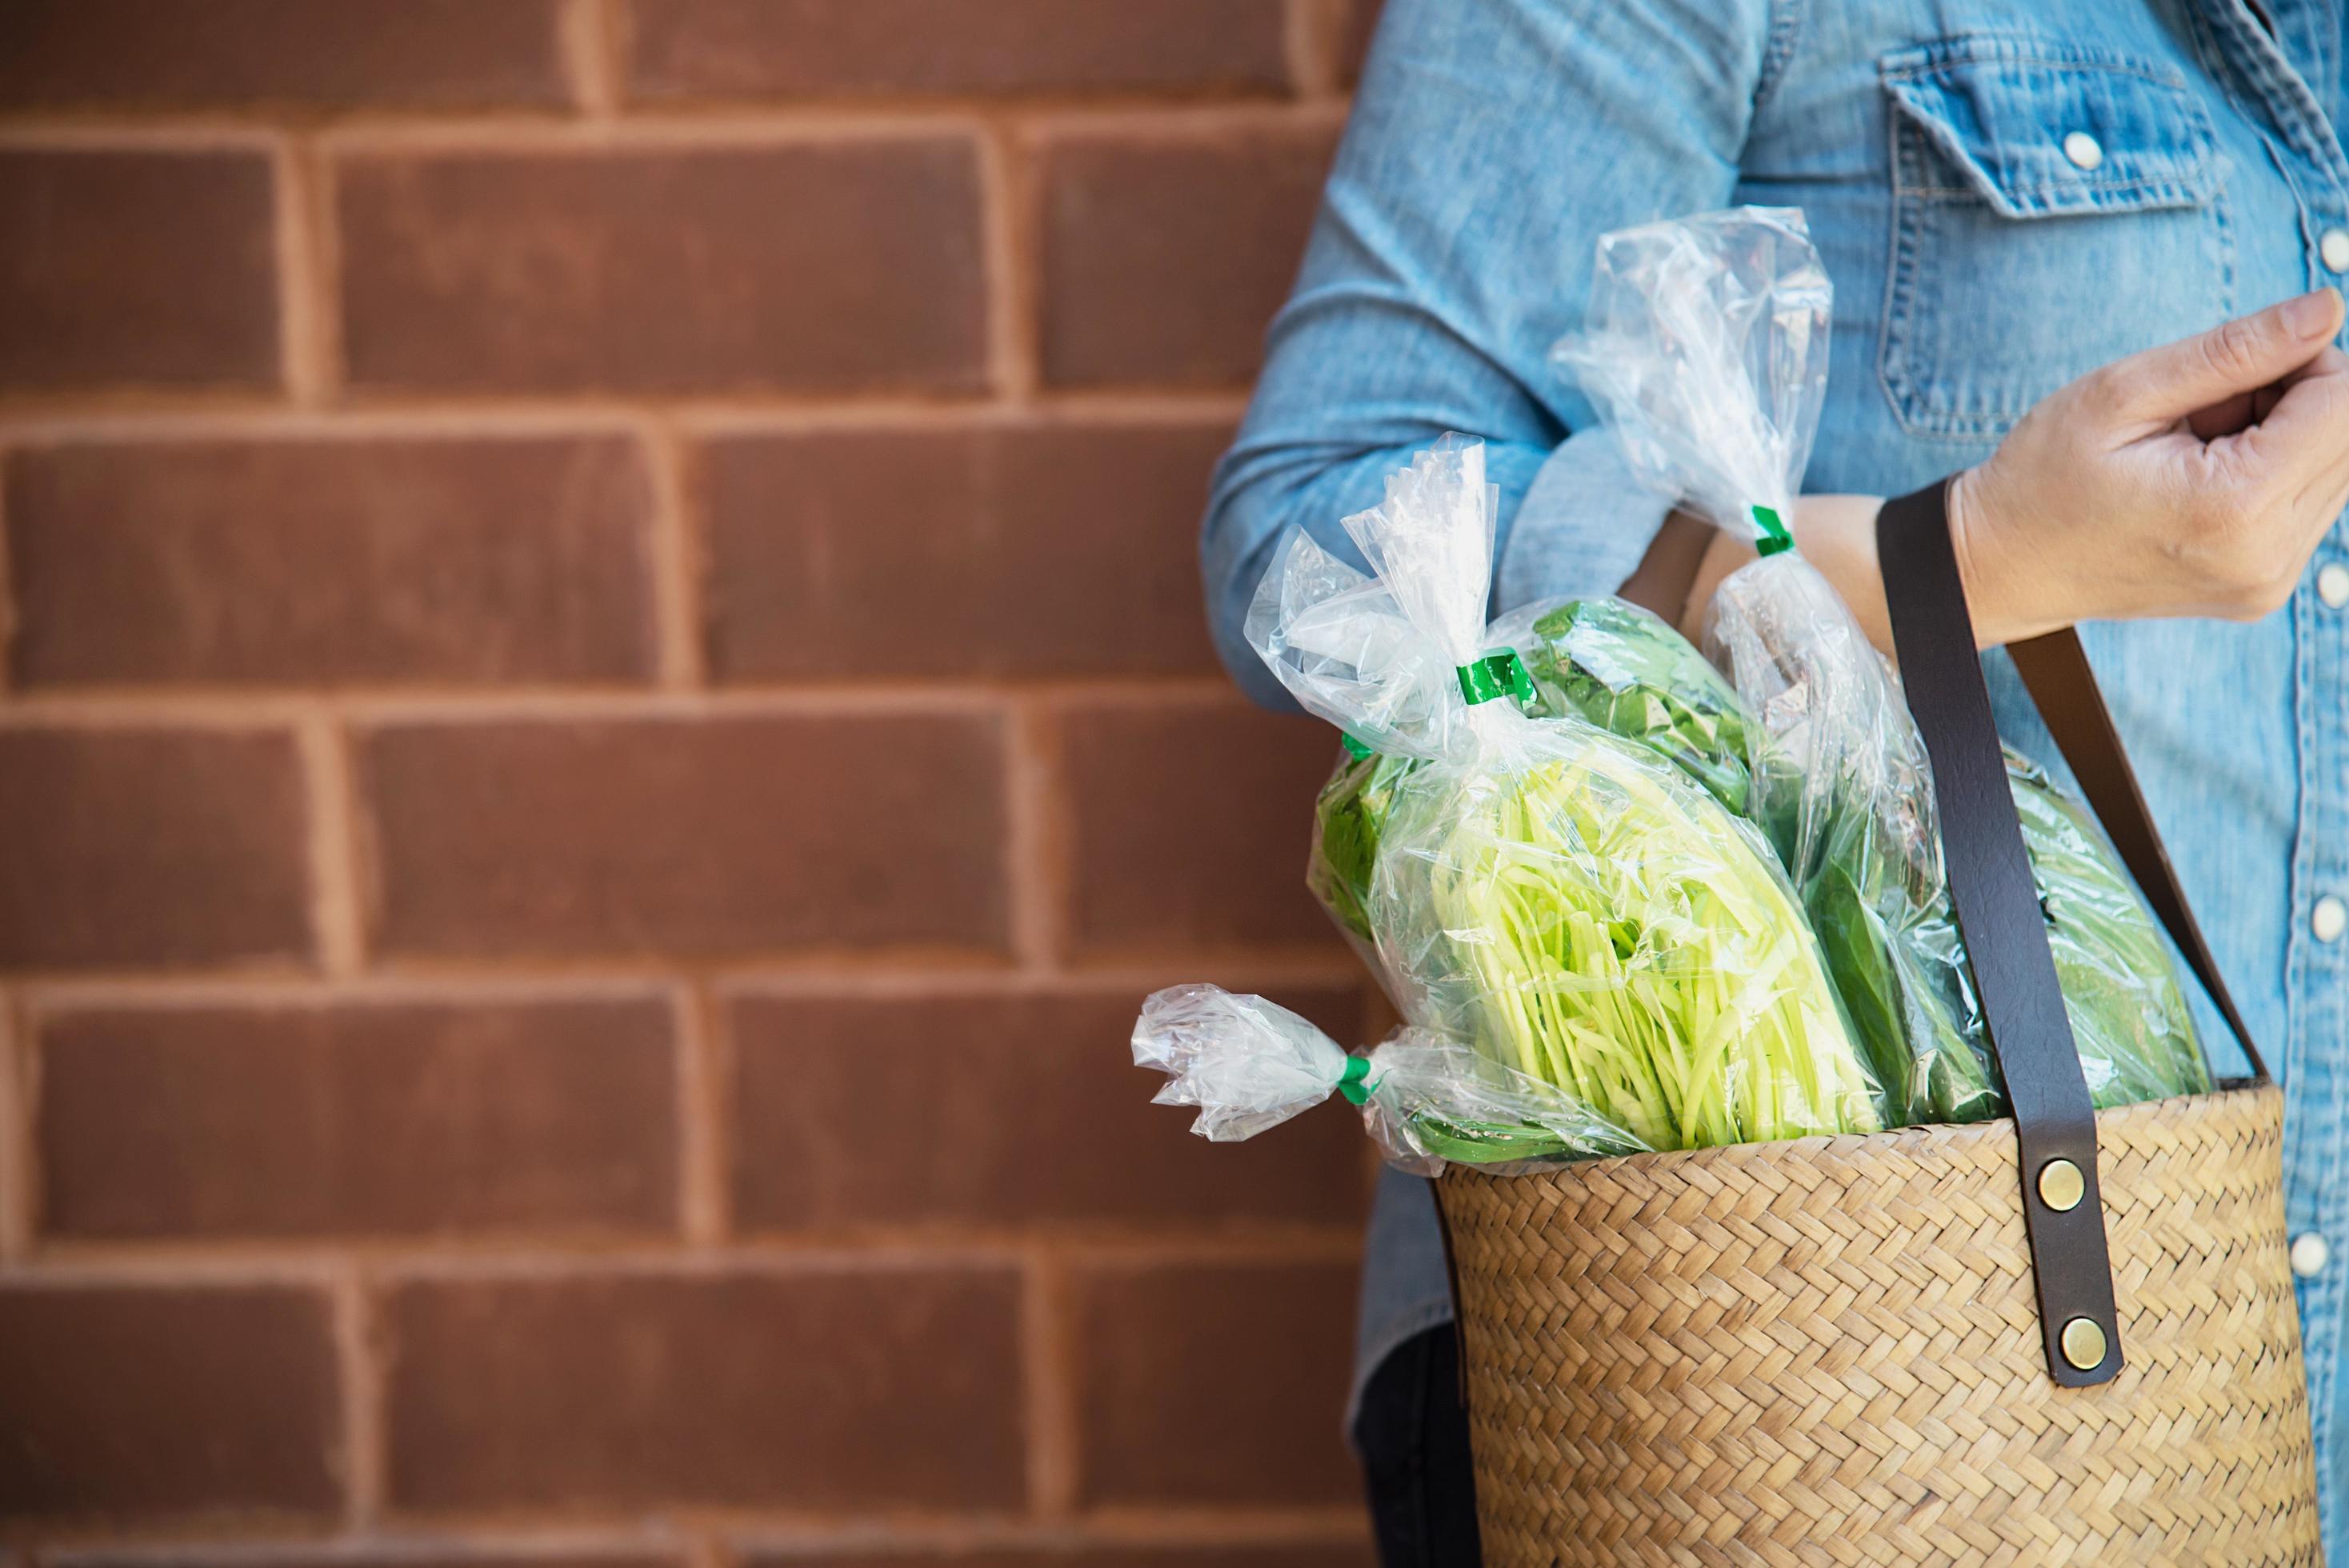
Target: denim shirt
<point>2006,193</point>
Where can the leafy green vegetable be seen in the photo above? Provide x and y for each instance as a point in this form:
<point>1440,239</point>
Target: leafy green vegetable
<point>1347,820</point>
<point>2135,1036</point>
<point>1628,672</point>
<point>1898,965</point>
<point>1616,933</point>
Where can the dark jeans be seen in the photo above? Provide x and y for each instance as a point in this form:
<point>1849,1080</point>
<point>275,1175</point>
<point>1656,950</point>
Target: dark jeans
<point>1413,1434</point>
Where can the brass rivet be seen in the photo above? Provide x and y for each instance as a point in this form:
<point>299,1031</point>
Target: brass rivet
<point>2061,1186</point>
<point>2084,1344</point>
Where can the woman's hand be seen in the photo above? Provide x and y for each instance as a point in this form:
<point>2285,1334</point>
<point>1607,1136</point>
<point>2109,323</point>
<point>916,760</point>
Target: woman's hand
<point>2191,479</point>
<point>2195,479</point>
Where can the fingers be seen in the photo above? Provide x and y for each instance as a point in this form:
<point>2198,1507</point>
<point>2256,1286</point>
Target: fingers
<point>2303,439</point>
<point>2247,408</point>
<point>2231,360</point>
<point>2226,417</point>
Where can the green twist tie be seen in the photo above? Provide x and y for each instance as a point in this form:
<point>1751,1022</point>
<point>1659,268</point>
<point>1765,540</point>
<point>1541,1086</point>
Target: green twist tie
<point>1355,1082</point>
<point>1497,675</point>
<point>1358,750</point>
<point>1774,536</point>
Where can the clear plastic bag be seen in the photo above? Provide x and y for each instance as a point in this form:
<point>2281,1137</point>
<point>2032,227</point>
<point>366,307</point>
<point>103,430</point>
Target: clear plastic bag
<point>1610,663</point>
<point>1553,897</point>
<point>1250,1065</point>
<point>1622,668</point>
<point>1707,350</point>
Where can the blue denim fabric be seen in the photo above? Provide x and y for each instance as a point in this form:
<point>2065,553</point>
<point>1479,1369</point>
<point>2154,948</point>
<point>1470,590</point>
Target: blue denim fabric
<point>1976,269</point>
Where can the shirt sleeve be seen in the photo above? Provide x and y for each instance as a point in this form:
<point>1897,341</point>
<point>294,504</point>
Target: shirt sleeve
<point>1492,142</point>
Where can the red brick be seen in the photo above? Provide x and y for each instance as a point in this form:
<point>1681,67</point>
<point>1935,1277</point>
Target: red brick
<point>1165,258</point>
<point>151,846</point>
<point>320,562</point>
<point>828,266</point>
<point>1048,1120</point>
<point>226,54</point>
<point>707,838</point>
<point>829,1387</point>
<point>136,269</point>
<point>817,48</point>
<point>130,1401</point>
<point>359,1118</point>
<point>1062,550</point>
<point>1214,1383</point>
<point>1189,825</point>
<point>1285,1554</point>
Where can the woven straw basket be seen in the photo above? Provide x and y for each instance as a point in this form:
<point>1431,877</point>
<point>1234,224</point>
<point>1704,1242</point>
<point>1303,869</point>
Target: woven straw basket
<point>1915,1347</point>
<point>1827,1351</point>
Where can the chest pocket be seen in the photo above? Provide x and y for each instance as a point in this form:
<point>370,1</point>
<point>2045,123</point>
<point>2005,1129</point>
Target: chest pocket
<point>2056,206</point>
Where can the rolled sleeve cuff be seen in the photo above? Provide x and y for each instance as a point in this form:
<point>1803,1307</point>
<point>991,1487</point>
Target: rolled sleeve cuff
<point>1585,521</point>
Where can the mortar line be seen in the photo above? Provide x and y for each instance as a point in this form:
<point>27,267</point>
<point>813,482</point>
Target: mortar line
<point>524,982</point>
<point>654,126</point>
<point>672,542</point>
<point>7,582</point>
<point>1008,238</point>
<point>1310,43</point>
<point>337,916</point>
<point>128,416</point>
<point>1034,846</point>
<point>704,1076</point>
<point>325,270</point>
<point>245,1541</point>
<point>1049,1387</point>
<point>231,707</point>
<point>19,1174</point>
<point>364,1448</point>
<point>935,1247</point>
<point>919,1537</point>
<point>590,67</point>
<point>709,1548</point>
<point>302,307</point>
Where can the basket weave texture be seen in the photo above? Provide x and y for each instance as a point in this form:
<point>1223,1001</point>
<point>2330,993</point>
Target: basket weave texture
<point>1827,1351</point>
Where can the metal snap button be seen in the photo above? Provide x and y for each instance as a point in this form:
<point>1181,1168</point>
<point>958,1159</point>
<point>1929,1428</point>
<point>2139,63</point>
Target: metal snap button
<point>2084,151</point>
<point>2084,1344</point>
<point>2329,919</point>
<point>2061,1185</point>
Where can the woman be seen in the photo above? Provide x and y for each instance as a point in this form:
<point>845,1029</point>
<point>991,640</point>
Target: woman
<point>2009,198</point>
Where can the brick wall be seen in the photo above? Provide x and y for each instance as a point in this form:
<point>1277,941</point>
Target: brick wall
<point>604,718</point>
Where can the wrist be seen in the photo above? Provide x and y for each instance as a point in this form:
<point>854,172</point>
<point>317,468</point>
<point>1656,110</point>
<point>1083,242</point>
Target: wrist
<point>2002,610</point>
<point>1966,542</point>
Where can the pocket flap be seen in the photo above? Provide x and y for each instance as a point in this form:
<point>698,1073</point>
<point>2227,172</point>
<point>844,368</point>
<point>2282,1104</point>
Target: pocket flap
<point>2002,108</point>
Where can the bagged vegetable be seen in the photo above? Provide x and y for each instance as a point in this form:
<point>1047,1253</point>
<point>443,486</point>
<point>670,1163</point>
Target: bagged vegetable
<point>1543,892</point>
<point>1611,663</point>
<point>1250,1064</point>
<point>1707,350</point>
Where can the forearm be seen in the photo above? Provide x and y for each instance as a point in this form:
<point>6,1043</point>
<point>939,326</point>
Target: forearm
<point>1836,534</point>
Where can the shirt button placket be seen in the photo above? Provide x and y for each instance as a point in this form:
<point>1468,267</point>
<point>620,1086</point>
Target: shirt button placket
<point>2319,963</point>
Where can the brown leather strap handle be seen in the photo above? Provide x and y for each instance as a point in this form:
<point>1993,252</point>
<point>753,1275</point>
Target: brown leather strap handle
<point>2055,671</point>
<point>1998,914</point>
